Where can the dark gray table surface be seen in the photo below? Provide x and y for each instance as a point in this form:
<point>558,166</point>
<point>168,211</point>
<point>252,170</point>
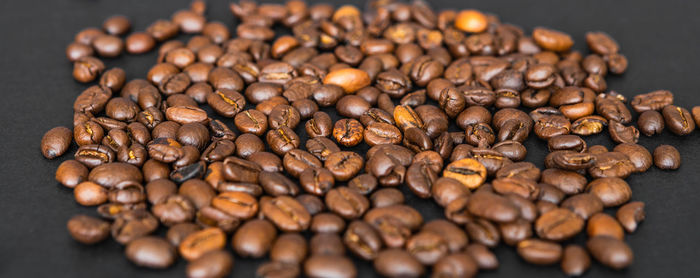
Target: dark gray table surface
<point>660,39</point>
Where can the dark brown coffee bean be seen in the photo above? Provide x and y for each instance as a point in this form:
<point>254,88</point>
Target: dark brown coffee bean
<point>575,260</point>
<point>282,140</point>
<point>296,161</point>
<point>655,100</point>
<point>445,190</point>
<point>611,164</point>
<point>630,215</point>
<point>601,224</point>
<point>525,188</point>
<point>133,224</point>
<point>584,204</point>
<point>346,202</point>
<point>327,222</point>
<point>667,157</point>
<point>213,264</point>
<point>329,266</point>
<point>239,170</point>
<point>540,252</point>
<point>344,165</point>
<point>56,142</point>
<point>492,207</point>
<point>558,224</point>
<point>108,45</point>
<point>611,191</point>
<point>247,144</point>
<point>254,238</point>
<point>320,125</point>
<point>398,263</point>
<point>638,155</point>
<point>151,252</point>
<point>90,194</point>
<point>316,180</point>
<point>483,231</point>
<point>610,251</point>
<point>289,248</point>
<point>88,230</point>
<point>286,213</point>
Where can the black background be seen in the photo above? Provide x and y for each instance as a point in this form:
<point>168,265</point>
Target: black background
<point>660,39</point>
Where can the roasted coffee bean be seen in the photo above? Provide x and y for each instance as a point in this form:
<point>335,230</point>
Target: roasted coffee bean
<point>612,108</point>
<point>213,264</point>
<point>363,183</point>
<point>524,170</point>
<point>108,45</point>
<point>296,161</point>
<point>667,157</point>
<point>327,222</point>
<point>483,231</point>
<point>151,252</point>
<point>566,142</point>
<point>558,224</point>
<point>455,265</point>
<point>316,180</point>
<point>638,155</point>
<point>326,244</point>
<point>87,229</point>
<point>86,133</point>
<point>329,266</point>
<point>611,164</point>
<point>349,79</point>
<point>344,165</point>
<point>133,224</point>
<point>511,149</point>
<point>286,213</point>
<point>630,215</point>
<point>386,197</point>
<point>378,133</point>
<point>584,204</point>
<point>601,224</point>
<point>199,243</point>
<point>575,260</point>
<point>278,270</point>
<point>398,263</point>
<point>468,171</point>
<point>678,120</point>
<point>348,132</point>
<point>655,100</point>
<point>346,202</point>
<point>567,181</point>
<point>519,186</point>
<point>282,140</point>
<point>71,173</point>
<point>617,63</point>
<point>540,252</point>
<point>569,160</point>
<point>623,134</point>
<point>313,204</point>
<point>610,251</point>
<point>492,207</point>
<point>551,39</point>
<point>254,238</point>
<point>320,125</point>
<point>611,191</point>
<point>588,125</point>
<point>289,248</point>
<point>56,142</point>
<point>90,194</point>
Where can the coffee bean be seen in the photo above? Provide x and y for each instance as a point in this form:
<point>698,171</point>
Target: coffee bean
<point>558,224</point>
<point>455,265</point>
<point>348,132</point>
<point>630,215</point>
<point>650,122</point>
<point>468,171</point>
<point>397,263</point>
<point>638,155</point>
<point>492,207</point>
<point>610,251</point>
<point>678,120</point>
<point>611,191</point>
<point>212,264</point>
<point>540,252</point>
<point>601,224</point>
<point>254,238</point>
<point>71,173</point>
<point>611,164</point>
<point>329,266</point>
<point>278,269</point>
<point>289,248</point>
<point>484,258</point>
<point>655,100</point>
<point>90,194</point>
<point>286,213</point>
<point>667,157</point>
<point>585,204</point>
<point>575,260</point>
<point>151,252</point>
<point>88,230</point>
<point>133,224</point>
<point>346,202</point>
<point>551,39</point>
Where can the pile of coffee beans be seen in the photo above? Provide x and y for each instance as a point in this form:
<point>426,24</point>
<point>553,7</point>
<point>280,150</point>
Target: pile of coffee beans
<point>227,142</point>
